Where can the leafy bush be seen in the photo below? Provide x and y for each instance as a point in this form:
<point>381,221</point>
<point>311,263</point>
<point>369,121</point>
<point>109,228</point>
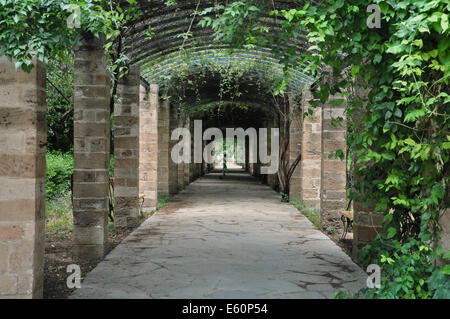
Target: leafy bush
<point>407,271</point>
<point>59,174</point>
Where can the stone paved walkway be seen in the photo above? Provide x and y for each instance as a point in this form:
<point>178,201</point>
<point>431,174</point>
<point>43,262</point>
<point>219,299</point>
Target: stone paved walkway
<point>230,238</point>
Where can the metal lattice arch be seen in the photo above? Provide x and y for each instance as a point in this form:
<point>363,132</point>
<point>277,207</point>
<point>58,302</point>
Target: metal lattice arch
<point>160,55</point>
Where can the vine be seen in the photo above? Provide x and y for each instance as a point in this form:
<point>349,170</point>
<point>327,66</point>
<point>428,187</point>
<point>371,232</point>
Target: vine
<point>396,82</point>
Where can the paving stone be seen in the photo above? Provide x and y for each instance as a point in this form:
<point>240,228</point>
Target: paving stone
<point>229,238</point>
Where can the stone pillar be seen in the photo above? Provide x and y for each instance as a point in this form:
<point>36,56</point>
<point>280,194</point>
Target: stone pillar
<point>163,148</point>
<point>22,180</point>
<point>126,151</point>
<point>187,166</point>
<point>247,156</point>
<point>204,167</point>
<point>333,188</point>
<point>180,165</point>
<point>311,148</point>
<point>173,167</point>
<point>367,223</point>
<point>91,149</point>
<point>192,173</point>
<point>148,145</point>
<point>254,167</point>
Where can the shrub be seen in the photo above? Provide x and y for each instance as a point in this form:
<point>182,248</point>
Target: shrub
<point>59,174</point>
<point>407,271</point>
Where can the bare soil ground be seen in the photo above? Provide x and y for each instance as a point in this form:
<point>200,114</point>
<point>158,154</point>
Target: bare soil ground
<point>346,244</point>
<point>58,255</point>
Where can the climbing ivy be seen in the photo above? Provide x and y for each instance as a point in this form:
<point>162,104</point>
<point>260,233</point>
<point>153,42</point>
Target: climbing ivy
<point>395,79</point>
<point>38,28</point>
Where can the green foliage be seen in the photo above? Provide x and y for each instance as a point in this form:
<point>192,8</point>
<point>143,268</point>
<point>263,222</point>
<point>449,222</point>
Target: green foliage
<point>331,230</point>
<point>407,270</point>
<point>111,166</point>
<point>395,81</point>
<point>59,174</point>
<point>60,103</point>
<point>284,197</point>
<point>183,81</point>
<point>34,28</point>
<point>312,214</point>
<point>162,201</point>
<point>30,28</point>
<point>58,215</point>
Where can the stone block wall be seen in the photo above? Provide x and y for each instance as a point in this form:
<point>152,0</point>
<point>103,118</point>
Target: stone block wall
<point>333,189</point>
<point>163,147</point>
<point>91,149</point>
<point>311,144</point>
<point>148,144</point>
<point>22,180</point>
<point>173,166</point>
<point>192,168</point>
<point>126,150</point>
<point>366,223</point>
<point>180,165</point>
<point>187,166</point>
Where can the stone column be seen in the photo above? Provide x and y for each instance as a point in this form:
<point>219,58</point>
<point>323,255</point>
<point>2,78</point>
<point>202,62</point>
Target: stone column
<point>333,188</point>
<point>180,165</point>
<point>22,180</point>
<point>255,166</point>
<point>173,167</point>
<point>204,167</point>
<point>91,149</point>
<point>148,145</point>
<point>187,166</point>
<point>311,149</point>
<point>192,176</point>
<point>367,223</point>
<point>163,148</point>
<point>126,151</point>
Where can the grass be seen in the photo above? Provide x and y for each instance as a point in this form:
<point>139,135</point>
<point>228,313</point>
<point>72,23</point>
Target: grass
<point>331,230</point>
<point>313,214</point>
<point>58,216</point>
<point>162,201</point>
